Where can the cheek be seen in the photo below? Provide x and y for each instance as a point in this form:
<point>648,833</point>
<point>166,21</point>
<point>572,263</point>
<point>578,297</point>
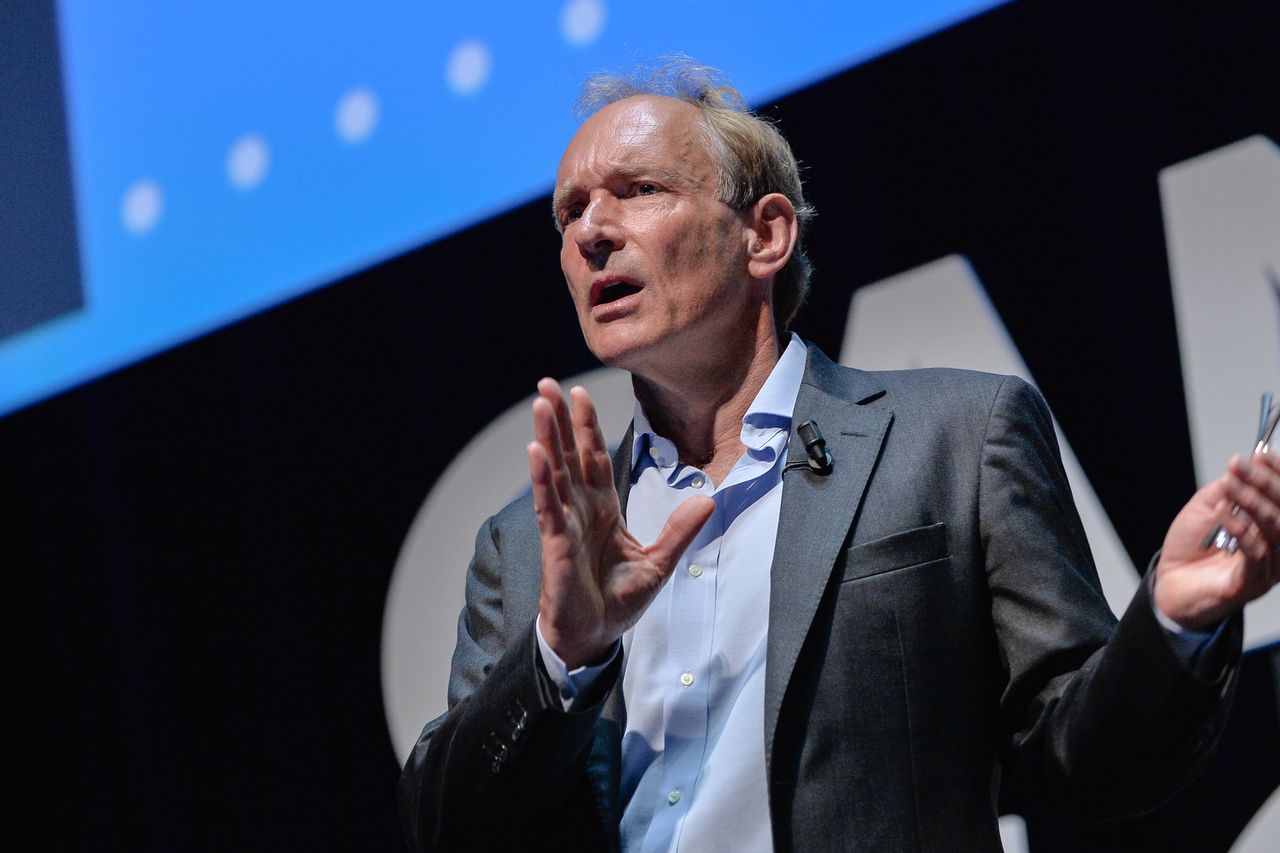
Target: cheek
<point>567,251</point>
<point>571,266</point>
<point>706,249</point>
<point>688,242</point>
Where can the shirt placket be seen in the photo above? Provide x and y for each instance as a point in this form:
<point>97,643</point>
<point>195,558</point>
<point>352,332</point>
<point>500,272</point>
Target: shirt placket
<point>688,671</point>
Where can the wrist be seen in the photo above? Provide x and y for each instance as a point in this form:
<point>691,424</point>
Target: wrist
<point>572,651</point>
<point>1188,606</point>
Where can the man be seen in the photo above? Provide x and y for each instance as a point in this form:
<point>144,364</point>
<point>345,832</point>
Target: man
<point>722,640</point>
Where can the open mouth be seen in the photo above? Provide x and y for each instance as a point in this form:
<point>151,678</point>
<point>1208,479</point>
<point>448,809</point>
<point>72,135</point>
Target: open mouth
<point>614,291</point>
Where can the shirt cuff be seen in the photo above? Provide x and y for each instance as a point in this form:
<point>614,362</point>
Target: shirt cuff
<point>1189,645</point>
<point>569,683</point>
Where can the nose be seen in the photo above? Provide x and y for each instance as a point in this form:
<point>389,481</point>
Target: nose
<point>599,230</point>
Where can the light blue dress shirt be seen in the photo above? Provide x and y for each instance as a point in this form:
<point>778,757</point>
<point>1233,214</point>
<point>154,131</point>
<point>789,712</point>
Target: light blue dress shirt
<point>693,770</point>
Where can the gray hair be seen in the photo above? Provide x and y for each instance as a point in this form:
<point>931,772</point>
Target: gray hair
<point>752,158</point>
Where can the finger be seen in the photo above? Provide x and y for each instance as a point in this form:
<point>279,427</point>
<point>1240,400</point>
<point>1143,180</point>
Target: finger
<point>552,393</point>
<point>1258,507</point>
<point>1269,457</point>
<point>1213,494</point>
<point>1200,517</point>
<point>1234,519</point>
<point>1255,547</point>
<point>679,531</point>
<point>546,431</point>
<point>547,434</point>
<point>1258,472</point>
<point>546,497</point>
<point>1255,575</point>
<point>593,452</point>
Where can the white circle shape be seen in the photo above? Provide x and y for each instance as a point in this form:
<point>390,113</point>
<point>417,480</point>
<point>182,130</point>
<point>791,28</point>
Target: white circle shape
<point>420,618</point>
<point>581,21</point>
<point>247,161</point>
<point>1262,835</point>
<point>142,205</point>
<point>356,116</point>
<point>468,68</point>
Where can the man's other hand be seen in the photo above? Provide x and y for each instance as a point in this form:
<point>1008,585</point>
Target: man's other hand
<point>1196,586</point>
<point>596,578</point>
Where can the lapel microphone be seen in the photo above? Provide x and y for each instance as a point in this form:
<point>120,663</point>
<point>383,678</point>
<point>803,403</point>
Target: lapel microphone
<point>815,447</point>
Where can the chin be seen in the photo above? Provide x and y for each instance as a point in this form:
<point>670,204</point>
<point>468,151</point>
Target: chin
<point>612,356</point>
<point>621,348</point>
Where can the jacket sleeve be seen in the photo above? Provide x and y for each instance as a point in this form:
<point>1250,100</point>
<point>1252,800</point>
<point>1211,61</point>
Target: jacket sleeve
<point>504,767</point>
<point>1102,721</point>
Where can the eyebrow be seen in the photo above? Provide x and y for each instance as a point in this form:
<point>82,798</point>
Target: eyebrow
<point>558,200</point>
<point>625,171</point>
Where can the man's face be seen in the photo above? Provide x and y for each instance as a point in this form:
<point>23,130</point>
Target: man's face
<point>655,262</point>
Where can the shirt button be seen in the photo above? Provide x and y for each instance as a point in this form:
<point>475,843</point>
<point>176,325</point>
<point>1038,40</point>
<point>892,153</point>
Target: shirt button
<point>673,797</point>
<point>697,482</point>
<point>686,678</point>
<point>695,571</point>
<point>654,453</point>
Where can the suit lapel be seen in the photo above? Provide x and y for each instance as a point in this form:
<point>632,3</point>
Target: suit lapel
<point>604,765</point>
<point>817,512</point>
<point>622,468</point>
<point>614,711</point>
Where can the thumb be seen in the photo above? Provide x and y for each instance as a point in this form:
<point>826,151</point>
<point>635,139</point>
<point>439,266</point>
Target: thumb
<point>679,531</point>
<point>1213,492</point>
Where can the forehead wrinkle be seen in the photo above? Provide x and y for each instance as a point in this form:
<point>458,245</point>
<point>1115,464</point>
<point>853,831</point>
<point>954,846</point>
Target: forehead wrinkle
<point>630,145</point>
<point>676,136</point>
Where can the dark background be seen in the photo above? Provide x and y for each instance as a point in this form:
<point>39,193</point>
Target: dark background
<point>198,547</point>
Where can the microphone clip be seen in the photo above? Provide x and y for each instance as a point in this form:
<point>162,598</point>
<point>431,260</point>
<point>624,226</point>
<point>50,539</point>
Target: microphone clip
<point>815,446</point>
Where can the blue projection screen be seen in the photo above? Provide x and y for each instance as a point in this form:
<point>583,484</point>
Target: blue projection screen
<point>225,157</point>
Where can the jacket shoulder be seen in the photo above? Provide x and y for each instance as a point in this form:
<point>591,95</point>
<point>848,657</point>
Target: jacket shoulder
<point>958,385</point>
<point>895,387</point>
<point>515,524</point>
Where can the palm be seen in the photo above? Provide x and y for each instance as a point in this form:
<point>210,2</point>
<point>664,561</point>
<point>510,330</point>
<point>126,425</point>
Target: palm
<point>597,579</point>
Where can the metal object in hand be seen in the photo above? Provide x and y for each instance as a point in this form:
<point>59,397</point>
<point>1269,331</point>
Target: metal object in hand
<point>1270,416</point>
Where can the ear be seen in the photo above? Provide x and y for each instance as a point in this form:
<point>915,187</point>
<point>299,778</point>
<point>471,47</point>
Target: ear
<point>772,235</point>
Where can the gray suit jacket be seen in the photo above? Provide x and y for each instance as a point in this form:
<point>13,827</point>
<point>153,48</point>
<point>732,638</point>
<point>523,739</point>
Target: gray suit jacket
<point>936,629</point>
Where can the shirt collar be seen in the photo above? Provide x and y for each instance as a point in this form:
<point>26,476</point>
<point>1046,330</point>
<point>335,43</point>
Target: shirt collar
<point>768,414</point>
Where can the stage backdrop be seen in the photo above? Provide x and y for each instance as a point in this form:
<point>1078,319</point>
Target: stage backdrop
<point>235,566</point>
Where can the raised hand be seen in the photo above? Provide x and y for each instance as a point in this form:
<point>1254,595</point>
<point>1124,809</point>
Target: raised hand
<point>597,579</point>
<point>1196,586</point>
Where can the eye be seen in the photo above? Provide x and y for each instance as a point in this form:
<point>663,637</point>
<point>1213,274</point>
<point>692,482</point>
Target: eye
<point>646,189</point>
<point>569,214</point>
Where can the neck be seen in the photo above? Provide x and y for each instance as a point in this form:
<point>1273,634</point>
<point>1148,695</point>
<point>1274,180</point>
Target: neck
<point>701,409</point>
